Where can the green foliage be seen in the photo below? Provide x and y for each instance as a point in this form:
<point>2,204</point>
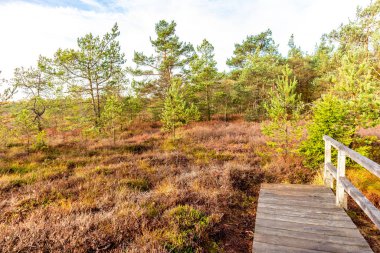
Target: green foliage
<point>331,116</point>
<point>26,126</point>
<point>284,110</point>
<point>37,85</point>
<point>132,106</point>
<point>40,141</point>
<point>111,114</point>
<point>138,184</point>
<point>357,84</point>
<point>176,111</point>
<point>95,69</point>
<point>304,71</point>
<point>225,96</point>
<point>261,44</point>
<point>7,90</point>
<point>172,57</point>
<point>204,76</point>
<point>256,64</point>
<point>186,227</point>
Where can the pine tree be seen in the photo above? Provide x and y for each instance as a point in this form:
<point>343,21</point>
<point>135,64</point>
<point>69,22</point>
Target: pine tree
<point>93,70</point>
<point>204,76</point>
<point>111,114</point>
<point>176,111</point>
<point>331,116</point>
<point>283,109</point>
<point>256,63</point>
<point>171,60</point>
<point>26,126</point>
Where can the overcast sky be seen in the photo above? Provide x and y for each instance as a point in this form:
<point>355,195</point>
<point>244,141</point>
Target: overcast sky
<point>32,27</point>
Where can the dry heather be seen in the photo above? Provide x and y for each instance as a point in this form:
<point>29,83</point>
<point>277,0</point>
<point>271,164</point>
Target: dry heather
<point>148,193</point>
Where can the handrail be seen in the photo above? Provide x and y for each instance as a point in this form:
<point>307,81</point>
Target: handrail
<point>343,185</point>
<point>368,164</point>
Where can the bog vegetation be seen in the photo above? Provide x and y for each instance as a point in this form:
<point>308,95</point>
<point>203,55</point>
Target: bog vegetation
<point>167,154</point>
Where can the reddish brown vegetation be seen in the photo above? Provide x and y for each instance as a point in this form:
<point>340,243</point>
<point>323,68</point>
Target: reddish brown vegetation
<point>148,193</point>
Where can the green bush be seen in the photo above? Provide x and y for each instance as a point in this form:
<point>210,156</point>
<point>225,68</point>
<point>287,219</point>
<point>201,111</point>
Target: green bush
<point>186,228</point>
<point>137,184</point>
<point>40,141</point>
<point>331,116</point>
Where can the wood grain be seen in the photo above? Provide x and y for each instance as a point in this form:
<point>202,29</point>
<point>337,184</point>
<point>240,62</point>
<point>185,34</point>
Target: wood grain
<point>303,218</point>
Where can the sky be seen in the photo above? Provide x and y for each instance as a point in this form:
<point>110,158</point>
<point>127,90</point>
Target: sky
<point>29,28</point>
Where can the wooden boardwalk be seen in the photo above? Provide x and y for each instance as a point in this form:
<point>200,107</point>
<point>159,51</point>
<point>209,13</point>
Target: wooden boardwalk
<point>303,218</point>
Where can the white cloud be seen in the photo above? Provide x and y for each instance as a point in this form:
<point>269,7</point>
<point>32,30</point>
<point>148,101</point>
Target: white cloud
<point>29,30</point>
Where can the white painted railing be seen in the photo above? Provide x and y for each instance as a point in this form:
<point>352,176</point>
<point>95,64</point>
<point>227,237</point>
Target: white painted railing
<point>343,185</point>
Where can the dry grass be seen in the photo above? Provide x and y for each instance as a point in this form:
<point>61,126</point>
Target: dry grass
<point>148,193</point>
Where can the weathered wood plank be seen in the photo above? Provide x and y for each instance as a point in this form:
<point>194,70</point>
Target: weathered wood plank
<point>273,248</point>
<point>358,241</point>
<point>295,209</point>
<point>297,193</point>
<point>303,218</point>
<point>286,197</point>
<point>308,220</point>
<point>306,214</point>
<point>290,187</point>
<point>309,228</point>
<point>309,244</point>
<point>280,201</point>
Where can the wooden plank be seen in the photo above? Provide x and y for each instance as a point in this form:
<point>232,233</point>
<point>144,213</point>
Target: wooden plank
<point>311,198</point>
<point>309,228</point>
<point>290,187</point>
<point>358,241</point>
<point>281,201</point>
<point>328,211</point>
<point>297,193</point>
<point>370,210</point>
<point>309,244</point>
<point>294,218</point>
<point>308,220</point>
<point>286,192</point>
<point>263,247</point>
<point>305,214</point>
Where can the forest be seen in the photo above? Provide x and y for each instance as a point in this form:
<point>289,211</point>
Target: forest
<point>167,153</point>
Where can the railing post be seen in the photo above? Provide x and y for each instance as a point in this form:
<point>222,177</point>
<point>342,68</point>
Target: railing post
<point>341,195</point>
<point>327,177</point>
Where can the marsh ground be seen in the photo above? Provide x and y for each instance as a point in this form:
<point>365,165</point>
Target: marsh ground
<point>147,193</point>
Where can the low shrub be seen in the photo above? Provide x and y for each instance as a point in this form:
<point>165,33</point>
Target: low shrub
<point>187,226</point>
<point>244,179</point>
<point>138,184</point>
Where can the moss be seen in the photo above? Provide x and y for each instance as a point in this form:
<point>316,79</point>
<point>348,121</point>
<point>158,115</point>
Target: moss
<point>138,148</point>
<point>152,209</point>
<point>43,201</point>
<point>187,226</point>
<point>17,182</point>
<point>136,184</point>
<point>171,144</point>
<point>104,171</point>
<point>16,169</point>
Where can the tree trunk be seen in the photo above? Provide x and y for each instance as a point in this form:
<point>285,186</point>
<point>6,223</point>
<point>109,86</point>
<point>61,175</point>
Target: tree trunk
<point>93,103</point>
<point>114,136</point>
<point>208,104</point>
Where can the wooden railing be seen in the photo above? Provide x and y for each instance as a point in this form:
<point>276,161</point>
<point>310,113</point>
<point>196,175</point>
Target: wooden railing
<point>343,185</point>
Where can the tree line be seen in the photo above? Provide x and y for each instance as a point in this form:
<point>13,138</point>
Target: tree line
<point>335,88</point>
